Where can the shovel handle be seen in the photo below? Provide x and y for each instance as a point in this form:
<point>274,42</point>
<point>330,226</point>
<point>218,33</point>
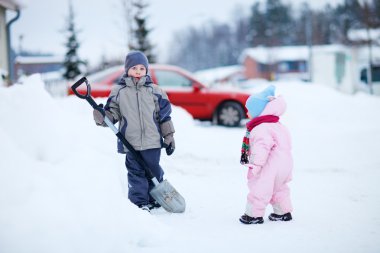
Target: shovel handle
<point>94,105</point>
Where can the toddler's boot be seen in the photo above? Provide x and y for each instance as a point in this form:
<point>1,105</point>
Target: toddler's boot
<point>278,217</point>
<point>245,219</point>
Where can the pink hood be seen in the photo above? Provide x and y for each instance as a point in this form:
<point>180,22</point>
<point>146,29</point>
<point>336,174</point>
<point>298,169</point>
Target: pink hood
<point>275,107</point>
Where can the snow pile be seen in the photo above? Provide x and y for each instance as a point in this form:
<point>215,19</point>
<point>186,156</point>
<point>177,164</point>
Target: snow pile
<point>56,195</point>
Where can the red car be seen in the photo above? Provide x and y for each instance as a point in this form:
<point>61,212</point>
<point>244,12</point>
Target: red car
<point>220,106</point>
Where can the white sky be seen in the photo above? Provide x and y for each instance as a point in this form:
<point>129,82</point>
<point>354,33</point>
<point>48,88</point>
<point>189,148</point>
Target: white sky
<point>42,23</point>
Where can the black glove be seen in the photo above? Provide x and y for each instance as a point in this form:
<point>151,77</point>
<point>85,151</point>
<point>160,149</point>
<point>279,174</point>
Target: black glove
<point>167,130</point>
<point>169,144</point>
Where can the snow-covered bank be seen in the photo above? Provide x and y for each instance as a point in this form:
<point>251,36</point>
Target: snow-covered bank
<point>63,187</point>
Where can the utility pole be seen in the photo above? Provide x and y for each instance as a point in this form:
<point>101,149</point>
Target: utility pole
<point>309,41</point>
<point>369,68</point>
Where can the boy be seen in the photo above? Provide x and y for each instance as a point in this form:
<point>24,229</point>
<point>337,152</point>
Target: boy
<point>143,112</point>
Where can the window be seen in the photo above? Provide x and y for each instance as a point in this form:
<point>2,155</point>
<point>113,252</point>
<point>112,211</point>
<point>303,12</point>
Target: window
<point>263,67</point>
<point>283,67</point>
<point>375,74</point>
<point>291,66</point>
<point>171,79</point>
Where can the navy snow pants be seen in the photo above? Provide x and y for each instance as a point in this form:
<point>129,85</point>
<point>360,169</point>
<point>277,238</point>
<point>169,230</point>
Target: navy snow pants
<point>139,184</point>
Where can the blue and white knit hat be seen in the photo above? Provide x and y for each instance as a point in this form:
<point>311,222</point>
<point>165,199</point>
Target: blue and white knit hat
<point>256,103</point>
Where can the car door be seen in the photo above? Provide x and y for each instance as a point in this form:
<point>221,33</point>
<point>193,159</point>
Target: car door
<point>185,92</point>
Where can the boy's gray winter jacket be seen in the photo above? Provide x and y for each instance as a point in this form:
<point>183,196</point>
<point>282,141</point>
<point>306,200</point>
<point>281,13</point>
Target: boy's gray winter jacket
<point>139,108</point>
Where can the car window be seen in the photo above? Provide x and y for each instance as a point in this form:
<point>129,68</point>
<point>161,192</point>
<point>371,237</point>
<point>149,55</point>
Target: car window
<point>171,79</point>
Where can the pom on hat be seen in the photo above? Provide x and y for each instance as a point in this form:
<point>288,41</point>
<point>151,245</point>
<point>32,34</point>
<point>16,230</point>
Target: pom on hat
<point>135,58</point>
<point>256,103</point>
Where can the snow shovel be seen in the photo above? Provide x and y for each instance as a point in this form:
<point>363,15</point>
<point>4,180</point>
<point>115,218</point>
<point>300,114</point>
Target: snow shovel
<point>164,193</point>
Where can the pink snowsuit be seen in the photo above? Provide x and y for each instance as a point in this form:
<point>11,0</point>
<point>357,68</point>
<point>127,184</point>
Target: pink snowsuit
<point>270,149</point>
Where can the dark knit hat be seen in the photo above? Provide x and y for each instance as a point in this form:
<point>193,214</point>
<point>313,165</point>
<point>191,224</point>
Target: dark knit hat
<point>134,58</point>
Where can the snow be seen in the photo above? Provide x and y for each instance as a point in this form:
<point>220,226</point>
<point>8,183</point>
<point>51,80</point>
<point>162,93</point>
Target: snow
<point>362,34</point>
<point>63,187</point>
<point>214,75</point>
<point>39,59</point>
<point>286,53</point>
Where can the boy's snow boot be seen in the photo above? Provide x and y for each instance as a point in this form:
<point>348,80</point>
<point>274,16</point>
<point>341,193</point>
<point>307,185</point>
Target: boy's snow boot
<point>251,220</point>
<point>277,217</point>
<point>145,208</point>
<point>153,205</point>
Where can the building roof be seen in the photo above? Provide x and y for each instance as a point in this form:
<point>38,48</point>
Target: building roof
<point>286,53</point>
<point>39,59</point>
<point>361,34</point>
<point>12,4</point>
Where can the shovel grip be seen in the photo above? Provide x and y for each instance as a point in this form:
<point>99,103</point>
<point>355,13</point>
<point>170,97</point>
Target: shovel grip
<point>79,83</point>
<point>86,96</point>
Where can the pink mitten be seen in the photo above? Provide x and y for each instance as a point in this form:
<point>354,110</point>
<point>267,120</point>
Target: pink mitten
<point>248,165</point>
<point>256,169</point>
<point>253,171</point>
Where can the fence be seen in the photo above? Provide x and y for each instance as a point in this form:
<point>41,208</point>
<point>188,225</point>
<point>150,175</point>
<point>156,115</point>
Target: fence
<point>55,85</point>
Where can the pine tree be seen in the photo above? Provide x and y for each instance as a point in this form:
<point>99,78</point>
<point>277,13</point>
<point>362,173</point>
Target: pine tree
<point>279,22</point>
<point>347,17</point>
<point>72,61</point>
<point>258,26</point>
<point>140,32</point>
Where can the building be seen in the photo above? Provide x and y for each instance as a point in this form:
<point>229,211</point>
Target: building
<point>276,62</point>
<point>27,65</point>
<point>5,46</point>
<point>337,66</point>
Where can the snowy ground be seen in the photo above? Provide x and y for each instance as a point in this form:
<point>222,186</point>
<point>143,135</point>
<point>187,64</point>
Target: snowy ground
<point>63,186</point>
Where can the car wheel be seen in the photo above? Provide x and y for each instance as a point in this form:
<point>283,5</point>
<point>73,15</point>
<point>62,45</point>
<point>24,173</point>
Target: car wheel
<point>230,114</point>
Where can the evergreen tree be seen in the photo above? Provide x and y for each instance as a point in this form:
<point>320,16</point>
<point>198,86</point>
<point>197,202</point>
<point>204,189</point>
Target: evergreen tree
<point>322,33</point>
<point>327,31</point>
<point>72,61</point>
<point>279,22</point>
<point>140,32</point>
<point>303,25</point>
<point>347,17</point>
<point>258,26</point>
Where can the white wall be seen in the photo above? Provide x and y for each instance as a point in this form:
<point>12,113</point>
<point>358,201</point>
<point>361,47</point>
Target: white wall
<point>323,69</point>
<point>352,72</point>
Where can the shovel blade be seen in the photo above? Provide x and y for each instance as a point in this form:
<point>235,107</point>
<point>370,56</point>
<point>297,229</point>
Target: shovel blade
<point>168,197</point>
